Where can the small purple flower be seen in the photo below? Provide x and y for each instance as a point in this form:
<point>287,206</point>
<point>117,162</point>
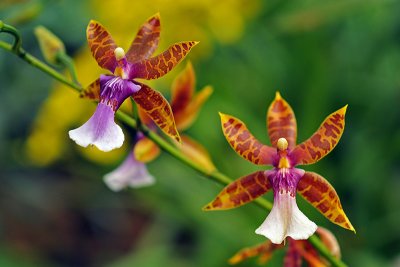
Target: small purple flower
<point>131,173</point>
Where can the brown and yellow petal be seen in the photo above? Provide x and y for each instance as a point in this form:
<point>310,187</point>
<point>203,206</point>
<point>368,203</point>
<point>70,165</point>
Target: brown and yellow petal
<point>144,118</point>
<point>197,153</point>
<point>160,65</point>
<point>92,91</point>
<point>281,122</point>
<point>185,117</point>
<point>146,40</point>
<point>321,194</point>
<point>183,89</point>
<point>264,250</point>
<point>145,150</point>
<point>322,141</point>
<point>240,192</point>
<point>102,45</point>
<point>158,109</point>
<point>244,143</point>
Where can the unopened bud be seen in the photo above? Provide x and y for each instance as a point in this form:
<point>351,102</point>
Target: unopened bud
<point>49,44</point>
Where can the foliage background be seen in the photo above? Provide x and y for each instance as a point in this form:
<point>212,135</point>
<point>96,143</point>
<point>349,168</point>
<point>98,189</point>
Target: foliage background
<point>55,209</point>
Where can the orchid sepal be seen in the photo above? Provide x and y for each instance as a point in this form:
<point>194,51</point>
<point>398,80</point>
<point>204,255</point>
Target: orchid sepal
<point>281,122</point>
<point>101,45</point>
<point>244,143</point>
<point>322,196</point>
<point>158,66</point>
<point>158,109</point>
<point>240,192</point>
<point>323,141</point>
<point>146,40</point>
<point>92,91</point>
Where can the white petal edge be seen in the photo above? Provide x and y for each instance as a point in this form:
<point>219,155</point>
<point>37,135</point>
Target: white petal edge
<point>285,219</point>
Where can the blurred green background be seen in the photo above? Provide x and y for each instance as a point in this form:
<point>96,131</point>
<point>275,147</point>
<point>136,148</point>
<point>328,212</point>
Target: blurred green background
<point>54,207</point>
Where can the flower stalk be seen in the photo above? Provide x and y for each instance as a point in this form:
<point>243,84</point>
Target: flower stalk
<point>69,64</point>
<point>214,175</point>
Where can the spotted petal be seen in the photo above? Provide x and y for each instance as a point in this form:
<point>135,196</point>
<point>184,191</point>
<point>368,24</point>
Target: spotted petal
<point>146,150</point>
<point>244,143</point>
<point>241,191</point>
<point>263,250</point>
<point>158,109</point>
<point>102,45</point>
<point>146,40</point>
<point>160,65</point>
<point>281,122</point>
<point>183,89</point>
<point>92,91</point>
<point>322,141</point>
<point>144,118</point>
<point>321,194</point>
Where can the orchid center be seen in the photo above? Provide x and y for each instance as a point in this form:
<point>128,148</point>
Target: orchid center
<point>119,54</point>
<point>282,145</point>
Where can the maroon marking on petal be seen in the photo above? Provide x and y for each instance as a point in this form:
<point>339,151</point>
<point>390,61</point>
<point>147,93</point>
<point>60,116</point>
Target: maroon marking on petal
<point>324,206</point>
<point>241,191</point>
<point>319,193</point>
<point>281,122</point>
<point>318,142</point>
<point>340,219</point>
<point>244,143</point>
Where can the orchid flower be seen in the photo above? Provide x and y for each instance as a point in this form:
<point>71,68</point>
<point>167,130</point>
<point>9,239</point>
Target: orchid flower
<point>112,90</point>
<point>131,172</point>
<point>285,218</point>
<point>185,107</point>
<point>297,251</point>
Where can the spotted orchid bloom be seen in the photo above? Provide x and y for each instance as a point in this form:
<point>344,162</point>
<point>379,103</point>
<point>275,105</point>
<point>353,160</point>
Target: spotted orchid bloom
<point>285,218</point>
<point>185,105</point>
<point>296,252</point>
<point>112,90</point>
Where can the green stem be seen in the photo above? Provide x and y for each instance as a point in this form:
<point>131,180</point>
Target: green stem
<point>324,251</point>
<point>69,64</point>
<point>14,32</point>
<point>169,148</point>
<point>40,65</point>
